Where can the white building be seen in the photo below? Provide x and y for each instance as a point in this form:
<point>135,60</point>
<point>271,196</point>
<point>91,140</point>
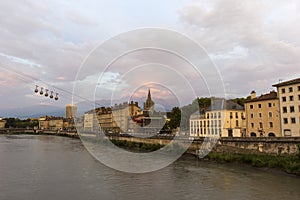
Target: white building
<point>223,118</point>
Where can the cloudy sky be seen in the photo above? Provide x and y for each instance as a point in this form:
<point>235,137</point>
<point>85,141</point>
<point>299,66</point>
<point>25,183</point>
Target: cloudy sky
<point>252,44</point>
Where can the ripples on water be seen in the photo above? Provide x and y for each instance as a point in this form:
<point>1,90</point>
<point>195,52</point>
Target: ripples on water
<point>49,167</point>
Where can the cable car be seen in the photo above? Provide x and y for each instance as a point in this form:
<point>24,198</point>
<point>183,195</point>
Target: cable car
<point>56,97</point>
<point>36,89</point>
<point>51,95</point>
<point>46,93</point>
<point>41,92</point>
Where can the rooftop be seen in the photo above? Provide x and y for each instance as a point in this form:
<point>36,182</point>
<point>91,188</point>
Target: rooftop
<point>290,82</point>
<point>263,97</point>
<point>222,104</point>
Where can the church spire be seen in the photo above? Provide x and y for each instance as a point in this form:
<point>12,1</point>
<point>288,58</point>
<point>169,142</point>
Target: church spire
<point>149,104</point>
<point>149,94</point>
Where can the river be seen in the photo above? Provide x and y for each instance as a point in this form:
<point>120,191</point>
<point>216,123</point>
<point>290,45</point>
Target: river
<point>54,168</point>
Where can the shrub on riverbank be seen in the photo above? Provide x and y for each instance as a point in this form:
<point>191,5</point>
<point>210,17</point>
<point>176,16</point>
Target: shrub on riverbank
<point>136,145</point>
<point>289,164</point>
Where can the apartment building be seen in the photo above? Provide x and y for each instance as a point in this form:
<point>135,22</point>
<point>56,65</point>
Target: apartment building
<point>289,104</point>
<point>223,118</point>
<point>263,115</point>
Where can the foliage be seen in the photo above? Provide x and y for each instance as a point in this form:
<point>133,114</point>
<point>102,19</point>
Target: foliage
<point>136,146</point>
<point>290,164</point>
<point>198,105</point>
<point>18,123</point>
<point>241,101</point>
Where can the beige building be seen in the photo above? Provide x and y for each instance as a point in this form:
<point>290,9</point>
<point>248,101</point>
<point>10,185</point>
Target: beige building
<point>111,119</point>
<point>90,122</point>
<point>105,120</point>
<point>262,115</point>
<point>56,123</point>
<point>122,113</point>
<point>44,123</point>
<point>71,111</point>
<point>2,123</point>
<point>224,118</point>
<point>51,123</point>
<point>289,103</point>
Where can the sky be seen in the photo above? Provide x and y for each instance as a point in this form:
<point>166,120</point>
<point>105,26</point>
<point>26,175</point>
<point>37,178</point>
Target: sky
<point>65,46</point>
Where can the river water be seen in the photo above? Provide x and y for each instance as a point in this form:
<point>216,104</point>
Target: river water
<point>50,167</point>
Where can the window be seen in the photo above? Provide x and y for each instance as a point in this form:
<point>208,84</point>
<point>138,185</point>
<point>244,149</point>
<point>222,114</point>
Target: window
<point>284,109</point>
<point>299,88</point>
<point>219,114</point>
<point>298,96</point>
<point>207,115</point>
<point>293,120</point>
<point>284,99</point>
<point>259,105</point>
<point>251,106</point>
<point>215,115</point>
<point>283,90</point>
<point>220,123</point>
<point>269,105</point>
<point>287,132</point>
<point>251,115</point>
<point>270,114</point>
<point>259,115</point>
<point>237,123</point>
<point>236,115</point>
<point>230,115</point>
<point>242,115</point>
<point>292,109</point>
<point>299,108</point>
<point>291,98</point>
<point>252,125</point>
<point>260,125</point>
<point>290,89</point>
<point>285,120</point>
<point>271,124</point>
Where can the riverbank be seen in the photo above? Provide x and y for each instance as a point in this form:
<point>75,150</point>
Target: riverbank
<point>286,163</point>
<point>289,163</point>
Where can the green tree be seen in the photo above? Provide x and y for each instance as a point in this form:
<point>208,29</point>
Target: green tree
<point>175,118</point>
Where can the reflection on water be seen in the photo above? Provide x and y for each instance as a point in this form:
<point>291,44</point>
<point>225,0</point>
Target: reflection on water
<point>49,167</point>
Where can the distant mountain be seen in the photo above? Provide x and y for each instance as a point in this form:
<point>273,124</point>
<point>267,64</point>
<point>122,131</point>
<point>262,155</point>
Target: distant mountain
<point>33,112</point>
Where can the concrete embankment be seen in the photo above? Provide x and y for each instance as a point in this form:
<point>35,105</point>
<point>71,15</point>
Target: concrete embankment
<point>273,146</point>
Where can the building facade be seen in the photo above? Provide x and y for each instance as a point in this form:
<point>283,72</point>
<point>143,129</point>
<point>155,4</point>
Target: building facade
<point>71,111</point>
<point>289,104</point>
<point>51,123</point>
<point>2,123</point>
<point>224,118</point>
<point>263,115</point>
<point>122,113</point>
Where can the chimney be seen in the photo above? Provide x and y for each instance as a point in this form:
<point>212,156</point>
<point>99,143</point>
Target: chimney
<point>253,94</point>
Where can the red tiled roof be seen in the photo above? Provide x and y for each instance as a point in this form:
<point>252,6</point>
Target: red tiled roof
<point>290,82</point>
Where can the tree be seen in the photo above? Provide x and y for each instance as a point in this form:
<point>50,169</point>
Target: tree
<point>175,118</point>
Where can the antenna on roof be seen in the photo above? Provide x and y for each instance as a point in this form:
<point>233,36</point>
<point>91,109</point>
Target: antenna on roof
<point>280,80</point>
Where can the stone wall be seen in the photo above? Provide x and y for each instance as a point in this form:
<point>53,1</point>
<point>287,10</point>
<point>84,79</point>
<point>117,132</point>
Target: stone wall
<point>277,146</point>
